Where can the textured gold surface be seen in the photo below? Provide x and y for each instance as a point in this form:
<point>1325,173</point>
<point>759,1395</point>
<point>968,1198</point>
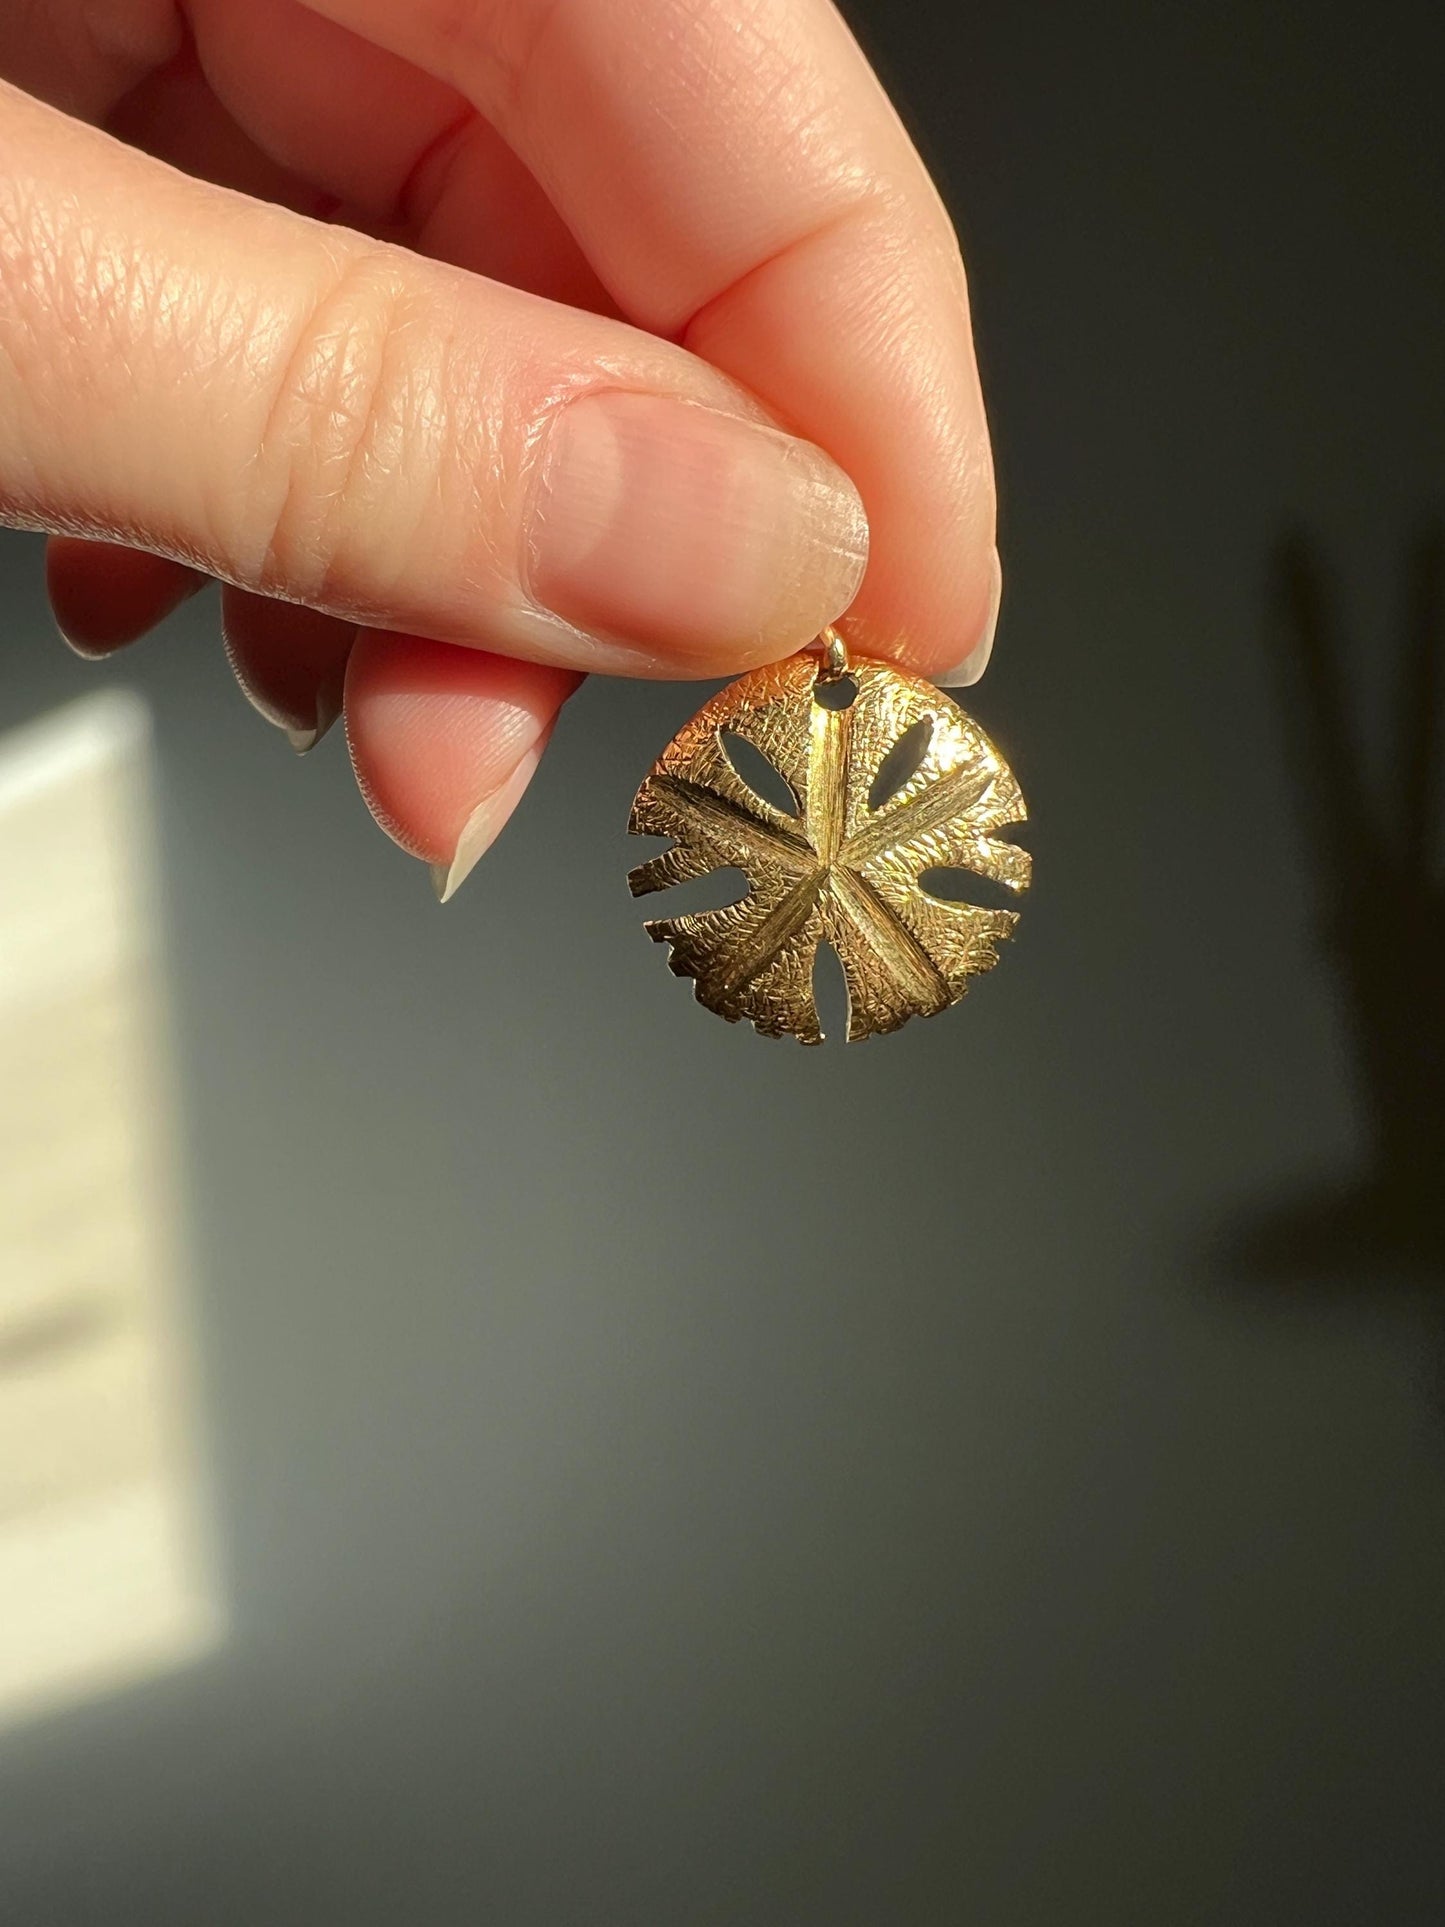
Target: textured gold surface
<point>837,872</point>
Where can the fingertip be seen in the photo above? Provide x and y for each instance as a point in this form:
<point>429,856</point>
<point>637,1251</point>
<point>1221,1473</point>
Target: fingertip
<point>485,824</point>
<point>289,660</point>
<point>970,667</point>
<point>444,741</point>
<point>104,596</point>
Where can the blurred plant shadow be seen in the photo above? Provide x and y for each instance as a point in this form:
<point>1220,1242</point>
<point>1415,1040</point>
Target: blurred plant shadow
<point>1381,910</point>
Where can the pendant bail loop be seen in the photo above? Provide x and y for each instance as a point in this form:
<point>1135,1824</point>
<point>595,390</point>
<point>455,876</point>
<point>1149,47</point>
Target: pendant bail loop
<point>835,655</point>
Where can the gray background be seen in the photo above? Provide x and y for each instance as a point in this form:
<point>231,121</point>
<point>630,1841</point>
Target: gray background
<point>992,1475</point>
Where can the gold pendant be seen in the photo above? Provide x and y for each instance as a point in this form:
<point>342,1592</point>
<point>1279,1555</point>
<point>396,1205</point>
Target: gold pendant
<point>890,780</point>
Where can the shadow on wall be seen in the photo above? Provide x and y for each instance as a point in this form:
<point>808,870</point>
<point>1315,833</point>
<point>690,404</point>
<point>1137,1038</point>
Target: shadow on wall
<point>1381,907</point>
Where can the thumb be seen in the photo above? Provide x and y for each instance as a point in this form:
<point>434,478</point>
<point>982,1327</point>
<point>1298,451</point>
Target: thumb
<point>306,412</point>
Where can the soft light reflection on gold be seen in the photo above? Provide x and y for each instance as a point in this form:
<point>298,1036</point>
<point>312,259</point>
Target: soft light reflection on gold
<point>104,1571</point>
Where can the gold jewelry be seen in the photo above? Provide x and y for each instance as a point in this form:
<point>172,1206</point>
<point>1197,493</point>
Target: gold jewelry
<point>890,780</point>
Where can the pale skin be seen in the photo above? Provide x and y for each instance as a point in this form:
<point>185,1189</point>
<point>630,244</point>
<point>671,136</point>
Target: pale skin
<point>474,345</point>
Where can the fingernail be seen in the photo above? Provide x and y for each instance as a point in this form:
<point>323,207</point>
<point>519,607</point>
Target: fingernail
<point>670,526</point>
<point>328,708</point>
<point>482,827</point>
<point>967,672</point>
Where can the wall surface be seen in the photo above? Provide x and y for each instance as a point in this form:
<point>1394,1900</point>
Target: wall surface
<point>993,1475</point>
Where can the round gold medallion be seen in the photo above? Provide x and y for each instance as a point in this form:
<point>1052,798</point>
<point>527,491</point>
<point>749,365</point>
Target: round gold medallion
<point>890,781</point>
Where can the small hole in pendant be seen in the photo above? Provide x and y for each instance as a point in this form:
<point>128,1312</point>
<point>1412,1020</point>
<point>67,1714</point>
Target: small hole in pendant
<point>836,692</point>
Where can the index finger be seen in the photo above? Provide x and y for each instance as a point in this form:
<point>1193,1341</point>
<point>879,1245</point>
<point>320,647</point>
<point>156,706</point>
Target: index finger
<point>741,184</point>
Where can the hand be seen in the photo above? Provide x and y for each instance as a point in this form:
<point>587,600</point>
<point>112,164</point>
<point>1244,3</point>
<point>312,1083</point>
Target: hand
<point>519,325</point>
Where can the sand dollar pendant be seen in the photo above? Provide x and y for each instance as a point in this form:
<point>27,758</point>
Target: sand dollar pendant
<point>890,781</point>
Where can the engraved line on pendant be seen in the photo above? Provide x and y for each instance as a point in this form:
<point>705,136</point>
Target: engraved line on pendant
<point>677,865</point>
<point>705,810</point>
<point>886,934</point>
<point>760,947</point>
<point>829,746</point>
<point>951,796</point>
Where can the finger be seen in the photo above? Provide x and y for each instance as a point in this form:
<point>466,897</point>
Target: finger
<point>741,184</point>
<point>104,597</point>
<point>324,103</point>
<point>289,660</point>
<point>444,742</point>
<point>304,412</point>
<point>83,58</point>
<point>174,115</point>
<point>384,138</point>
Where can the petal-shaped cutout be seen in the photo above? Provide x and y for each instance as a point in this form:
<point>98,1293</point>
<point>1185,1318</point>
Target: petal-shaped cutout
<point>902,763</point>
<point>762,777</point>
